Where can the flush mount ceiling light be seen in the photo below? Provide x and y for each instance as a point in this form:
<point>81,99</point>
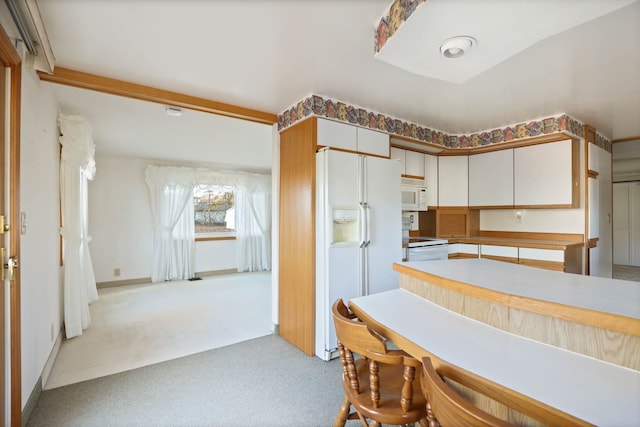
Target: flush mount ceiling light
<point>173,112</point>
<point>456,47</point>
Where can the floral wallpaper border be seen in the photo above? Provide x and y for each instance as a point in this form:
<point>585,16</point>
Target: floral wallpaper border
<point>398,13</point>
<point>319,106</point>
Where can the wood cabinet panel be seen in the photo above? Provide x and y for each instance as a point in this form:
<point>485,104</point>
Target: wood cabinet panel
<point>296,295</point>
<point>456,222</point>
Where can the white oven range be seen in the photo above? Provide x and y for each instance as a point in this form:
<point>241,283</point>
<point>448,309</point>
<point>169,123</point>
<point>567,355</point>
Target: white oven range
<point>426,249</point>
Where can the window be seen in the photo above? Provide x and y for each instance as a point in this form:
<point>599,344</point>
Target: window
<point>214,210</point>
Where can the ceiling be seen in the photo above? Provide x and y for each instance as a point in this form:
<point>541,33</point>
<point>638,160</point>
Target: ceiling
<point>269,54</point>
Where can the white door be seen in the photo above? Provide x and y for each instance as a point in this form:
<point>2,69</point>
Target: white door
<point>621,229</point>
<point>634,222</point>
<point>382,192</point>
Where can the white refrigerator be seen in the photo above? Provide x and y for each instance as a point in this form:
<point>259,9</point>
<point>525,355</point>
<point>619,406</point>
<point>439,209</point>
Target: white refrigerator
<point>358,233</point>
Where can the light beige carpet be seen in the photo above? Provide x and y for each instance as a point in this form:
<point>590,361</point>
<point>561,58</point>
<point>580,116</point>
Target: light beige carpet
<point>139,325</point>
<point>626,272</point>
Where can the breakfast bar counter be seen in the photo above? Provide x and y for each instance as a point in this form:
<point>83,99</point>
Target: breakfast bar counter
<point>530,383</point>
<point>594,316</point>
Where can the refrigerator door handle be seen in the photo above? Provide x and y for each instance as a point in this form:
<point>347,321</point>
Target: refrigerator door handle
<point>365,271</point>
<point>368,238</point>
<point>363,225</point>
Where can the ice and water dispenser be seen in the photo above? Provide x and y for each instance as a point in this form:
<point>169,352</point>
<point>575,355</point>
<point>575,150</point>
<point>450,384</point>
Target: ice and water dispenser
<point>346,226</point>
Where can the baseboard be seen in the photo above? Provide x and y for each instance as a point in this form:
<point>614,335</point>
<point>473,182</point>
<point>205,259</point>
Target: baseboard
<point>216,272</point>
<point>48,366</point>
<point>142,280</point>
<point>31,402</point>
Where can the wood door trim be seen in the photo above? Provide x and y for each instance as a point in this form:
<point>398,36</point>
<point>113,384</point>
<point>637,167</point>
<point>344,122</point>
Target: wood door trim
<point>14,194</point>
<point>9,57</point>
<point>103,84</point>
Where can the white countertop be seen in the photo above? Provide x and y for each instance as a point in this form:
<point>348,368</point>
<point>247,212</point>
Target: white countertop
<point>619,297</point>
<point>595,391</point>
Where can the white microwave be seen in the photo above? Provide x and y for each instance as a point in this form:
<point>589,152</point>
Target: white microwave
<point>414,198</point>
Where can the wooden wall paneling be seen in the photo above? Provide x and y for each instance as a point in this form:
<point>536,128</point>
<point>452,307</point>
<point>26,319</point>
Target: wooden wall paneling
<point>490,313</point>
<point>297,235</point>
<point>614,347</point>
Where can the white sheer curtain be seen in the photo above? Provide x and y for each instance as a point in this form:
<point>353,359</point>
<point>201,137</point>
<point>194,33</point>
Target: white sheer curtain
<point>77,167</point>
<point>253,229</point>
<point>171,193</point>
<point>171,190</point>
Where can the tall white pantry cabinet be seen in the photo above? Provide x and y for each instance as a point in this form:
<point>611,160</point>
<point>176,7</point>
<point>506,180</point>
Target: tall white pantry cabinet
<point>626,223</point>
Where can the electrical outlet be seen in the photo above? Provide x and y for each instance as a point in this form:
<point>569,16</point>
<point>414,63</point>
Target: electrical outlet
<point>116,272</point>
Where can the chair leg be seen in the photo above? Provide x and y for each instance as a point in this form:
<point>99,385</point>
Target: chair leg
<point>343,413</point>
<point>374,423</point>
<point>424,422</point>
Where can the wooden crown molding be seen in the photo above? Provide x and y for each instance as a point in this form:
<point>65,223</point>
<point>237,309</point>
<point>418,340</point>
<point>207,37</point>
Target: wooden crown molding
<point>631,138</point>
<point>84,80</point>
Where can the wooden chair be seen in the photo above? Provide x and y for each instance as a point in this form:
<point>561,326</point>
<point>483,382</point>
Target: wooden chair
<point>445,407</point>
<point>381,384</point>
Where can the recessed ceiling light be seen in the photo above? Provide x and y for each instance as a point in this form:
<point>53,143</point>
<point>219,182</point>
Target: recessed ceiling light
<point>173,112</point>
<point>456,47</point>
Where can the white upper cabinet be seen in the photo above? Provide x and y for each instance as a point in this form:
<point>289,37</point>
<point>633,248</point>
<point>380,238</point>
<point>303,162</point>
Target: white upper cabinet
<point>414,165</point>
<point>491,179</point>
<point>431,178</point>
<point>399,154</point>
<point>412,162</point>
<point>337,135</point>
<point>352,138</point>
<point>453,180</point>
<point>372,142</point>
<point>546,175</point>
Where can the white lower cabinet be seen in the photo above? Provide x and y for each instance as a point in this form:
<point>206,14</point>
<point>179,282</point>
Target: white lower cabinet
<point>555,255</point>
<point>487,251</point>
<point>463,248</point>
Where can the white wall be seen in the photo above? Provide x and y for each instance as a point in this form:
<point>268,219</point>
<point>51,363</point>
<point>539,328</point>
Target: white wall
<point>41,289</point>
<point>120,219</point>
<point>121,227</point>
<point>534,220</point>
<point>600,213</point>
<point>626,161</point>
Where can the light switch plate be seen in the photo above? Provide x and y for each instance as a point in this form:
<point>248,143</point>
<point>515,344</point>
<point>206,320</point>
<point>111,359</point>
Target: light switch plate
<point>23,223</point>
